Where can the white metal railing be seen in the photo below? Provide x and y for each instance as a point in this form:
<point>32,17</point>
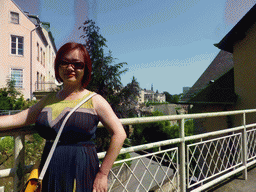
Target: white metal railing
<point>192,167</point>
<point>8,112</point>
<point>45,86</point>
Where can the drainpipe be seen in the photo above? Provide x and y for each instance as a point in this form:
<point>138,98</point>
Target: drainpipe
<point>31,84</point>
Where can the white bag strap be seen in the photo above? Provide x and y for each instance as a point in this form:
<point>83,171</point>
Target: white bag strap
<point>41,176</point>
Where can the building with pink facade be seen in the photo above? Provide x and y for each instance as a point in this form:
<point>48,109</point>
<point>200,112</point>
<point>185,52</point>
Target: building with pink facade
<point>27,50</point>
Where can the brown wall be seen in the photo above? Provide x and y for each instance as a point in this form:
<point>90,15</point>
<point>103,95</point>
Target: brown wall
<point>244,57</point>
<point>210,124</point>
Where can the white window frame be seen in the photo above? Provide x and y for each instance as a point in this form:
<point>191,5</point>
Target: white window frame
<point>19,83</point>
<point>13,18</point>
<point>17,43</point>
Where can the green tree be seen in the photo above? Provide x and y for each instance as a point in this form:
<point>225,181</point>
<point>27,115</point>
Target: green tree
<point>168,97</point>
<point>34,145</point>
<point>158,131</point>
<point>172,98</point>
<point>12,99</point>
<point>6,146</point>
<point>106,76</point>
<point>150,132</point>
<point>8,96</point>
<point>126,101</point>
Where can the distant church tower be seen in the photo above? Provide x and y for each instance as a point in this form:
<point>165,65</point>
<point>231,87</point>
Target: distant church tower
<point>152,87</point>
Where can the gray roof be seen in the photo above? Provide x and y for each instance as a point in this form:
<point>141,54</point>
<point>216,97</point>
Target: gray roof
<point>238,32</point>
<point>222,63</point>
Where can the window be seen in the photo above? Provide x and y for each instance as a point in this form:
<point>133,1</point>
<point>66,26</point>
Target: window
<point>37,81</point>
<point>16,45</point>
<point>14,17</point>
<point>49,58</point>
<point>41,55</point>
<point>17,75</point>
<point>52,58</point>
<point>43,59</point>
<point>37,45</point>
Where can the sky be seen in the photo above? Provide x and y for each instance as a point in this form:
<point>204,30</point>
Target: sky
<point>165,43</point>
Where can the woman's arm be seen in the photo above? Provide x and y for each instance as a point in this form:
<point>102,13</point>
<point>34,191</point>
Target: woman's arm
<point>23,118</point>
<point>118,135</point>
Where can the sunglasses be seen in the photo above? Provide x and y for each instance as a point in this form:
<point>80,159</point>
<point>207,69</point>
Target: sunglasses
<point>75,65</point>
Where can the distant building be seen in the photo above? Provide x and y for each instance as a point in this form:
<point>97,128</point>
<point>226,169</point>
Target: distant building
<point>27,50</point>
<point>185,90</point>
<point>151,96</point>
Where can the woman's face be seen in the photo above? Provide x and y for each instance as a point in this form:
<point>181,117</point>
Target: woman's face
<point>71,69</point>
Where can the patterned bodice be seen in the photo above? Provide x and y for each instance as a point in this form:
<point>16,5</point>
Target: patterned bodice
<point>81,126</point>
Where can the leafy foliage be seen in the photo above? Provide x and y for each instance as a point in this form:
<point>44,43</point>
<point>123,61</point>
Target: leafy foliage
<point>12,99</point>
<point>149,103</point>
<point>106,79</point>
<point>125,102</point>
<point>150,132</point>
<point>6,159</point>
<point>158,131</point>
<point>33,150</point>
<point>106,76</point>
<point>34,146</point>
<point>172,98</point>
<point>6,144</point>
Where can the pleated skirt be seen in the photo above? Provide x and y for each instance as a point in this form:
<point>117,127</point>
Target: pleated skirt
<point>70,162</point>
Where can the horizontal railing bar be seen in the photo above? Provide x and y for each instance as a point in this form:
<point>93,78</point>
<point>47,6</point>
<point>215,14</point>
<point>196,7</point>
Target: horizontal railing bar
<point>215,133</point>
<point>144,147</point>
<point>251,125</point>
<point>146,155</point>
<point>214,139</point>
<point>139,120</point>
<point>131,121</point>
<point>11,171</point>
<point>220,132</point>
<point>218,180</point>
<point>216,175</point>
<point>251,163</point>
<point>24,130</point>
<point>7,172</point>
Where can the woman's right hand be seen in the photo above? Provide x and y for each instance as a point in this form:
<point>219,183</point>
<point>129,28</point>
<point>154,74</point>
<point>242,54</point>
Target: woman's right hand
<point>100,183</point>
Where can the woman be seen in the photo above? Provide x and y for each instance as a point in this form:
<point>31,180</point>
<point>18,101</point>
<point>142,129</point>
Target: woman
<point>75,158</point>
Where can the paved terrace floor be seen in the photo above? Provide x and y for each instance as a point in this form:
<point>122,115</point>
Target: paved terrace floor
<point>237,184</point>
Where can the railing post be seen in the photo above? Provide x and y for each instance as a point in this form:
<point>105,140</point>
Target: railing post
<point>244,147</point>
<point>182,164</point>
<point>19,153</point>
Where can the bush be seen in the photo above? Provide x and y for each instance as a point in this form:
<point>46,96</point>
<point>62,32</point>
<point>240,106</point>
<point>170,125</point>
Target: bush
<point>158,131</point>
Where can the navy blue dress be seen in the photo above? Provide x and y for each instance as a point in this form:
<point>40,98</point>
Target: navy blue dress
<point>75,158</point>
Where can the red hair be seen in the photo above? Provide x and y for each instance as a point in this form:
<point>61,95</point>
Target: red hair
<point>68,47</point>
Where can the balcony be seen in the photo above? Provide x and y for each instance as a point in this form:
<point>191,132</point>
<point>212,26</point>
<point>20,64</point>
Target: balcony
<point>43,88</point>
<point>197,163</point>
